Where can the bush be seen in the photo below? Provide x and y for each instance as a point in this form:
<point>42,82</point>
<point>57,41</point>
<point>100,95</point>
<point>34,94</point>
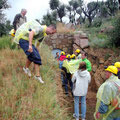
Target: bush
<point>99,41</point>
<point>97,22</point>
<point>115,33</point>
<point>6,42</point>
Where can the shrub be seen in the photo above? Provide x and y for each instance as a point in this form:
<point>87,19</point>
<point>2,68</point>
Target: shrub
<point>97,22</point>
<point>99,41</point>
<point>7,42</point>
<point>115,33</point>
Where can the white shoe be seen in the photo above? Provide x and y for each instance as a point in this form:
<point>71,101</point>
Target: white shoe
<point>39,78</point>
<point>27,71</point>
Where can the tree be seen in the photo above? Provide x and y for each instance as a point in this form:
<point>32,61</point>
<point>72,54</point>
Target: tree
<point>54,4</point>
<point>3,22</point>
<point>4,4</point>
<point>90,11</point>
<point>61,12</point>
<point>60,8</point>
<point>49,18</point>
<point>81,18</point>
<point>102,10</point>
<point>119,4</point>
<point>72,9</point>
<point>112,6</point>
<point>69,9</point>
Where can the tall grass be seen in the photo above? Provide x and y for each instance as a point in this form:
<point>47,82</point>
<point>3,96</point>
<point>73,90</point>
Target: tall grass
<point>61,28</point>
<point>7,42</point>
<point>24,98</point>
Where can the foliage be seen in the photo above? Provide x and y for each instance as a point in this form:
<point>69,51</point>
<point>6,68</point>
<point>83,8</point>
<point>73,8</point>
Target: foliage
<point>4,4</point>
<point>7,42</point>
<point>58,7</point>
<point>5,28</point>
<point>99,41</point>
<point>4,25</point>
<point>115,33</point>
<point>97,22</point>
<point>54,4</point>
<point>49,18</point>
<point>61,12</point>
<point>112,6</point>
<point>90,11</point>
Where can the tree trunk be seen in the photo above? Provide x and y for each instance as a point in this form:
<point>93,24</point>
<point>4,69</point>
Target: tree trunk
<point>119,4</point>
<point>90,21</point>
<point>61,20</point>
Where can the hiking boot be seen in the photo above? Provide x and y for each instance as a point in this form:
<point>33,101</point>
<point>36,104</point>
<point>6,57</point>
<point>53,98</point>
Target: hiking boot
<point>27,71</point>
<point>39,78</point>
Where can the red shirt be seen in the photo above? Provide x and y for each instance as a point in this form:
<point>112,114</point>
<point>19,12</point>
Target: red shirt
<point>62,57</point>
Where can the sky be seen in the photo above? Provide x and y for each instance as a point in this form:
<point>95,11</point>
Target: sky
<point>35,8</point>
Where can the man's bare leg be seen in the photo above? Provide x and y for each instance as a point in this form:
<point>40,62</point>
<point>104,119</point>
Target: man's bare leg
<point>37,69</point>
<point>26,68</point>
<point>28,62</point>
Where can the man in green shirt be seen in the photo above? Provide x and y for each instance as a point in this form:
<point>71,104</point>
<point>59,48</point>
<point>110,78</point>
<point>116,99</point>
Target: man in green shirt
<point>28,36</point>
<point>88,63</point>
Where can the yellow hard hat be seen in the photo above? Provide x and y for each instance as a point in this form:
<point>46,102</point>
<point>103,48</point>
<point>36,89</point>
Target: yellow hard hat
<point>68,56</point>
<point>117,64</point>
<point>73,56</point>
<point>12,32</point>
<point>112,69</point>
<point>62,53</point>
<point>77,51</point>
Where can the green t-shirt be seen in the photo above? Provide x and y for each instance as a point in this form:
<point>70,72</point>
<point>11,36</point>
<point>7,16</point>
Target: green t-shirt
<point>88,64</point>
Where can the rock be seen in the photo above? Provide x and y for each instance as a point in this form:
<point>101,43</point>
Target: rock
<point>77,36</point>
<point>84,43</point>
<point>94,68</point>
<point>83,36</point>
<point>103,75</point>
<point>101,61</point>
<point>54,36</point>
<point>78,32</point>
<point>61,36</point>
<point>77,41</point>
<point>69,26</point>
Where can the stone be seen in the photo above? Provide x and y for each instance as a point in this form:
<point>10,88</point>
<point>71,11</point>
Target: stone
<point>103,75</point>
<point>70,38</point>
<point>101,61</point>
<point>76,36</point>
<point>69,25</point>
<point>94,68</point>
<point>84,43</point>
<point>70,41</point>
<point>61,36</point>
<point>77,41</point>
<point>51,47</point>
<point>78,32</point>
<point>83,36</point>
<point>59,41</point>
<point>54,45</point>
<point>53,41</point>
<point>54,36</point>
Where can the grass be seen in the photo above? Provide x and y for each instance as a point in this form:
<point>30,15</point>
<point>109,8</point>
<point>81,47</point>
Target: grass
<point>61,28</point>
<point>6,42</point>
<point>23,98</point>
